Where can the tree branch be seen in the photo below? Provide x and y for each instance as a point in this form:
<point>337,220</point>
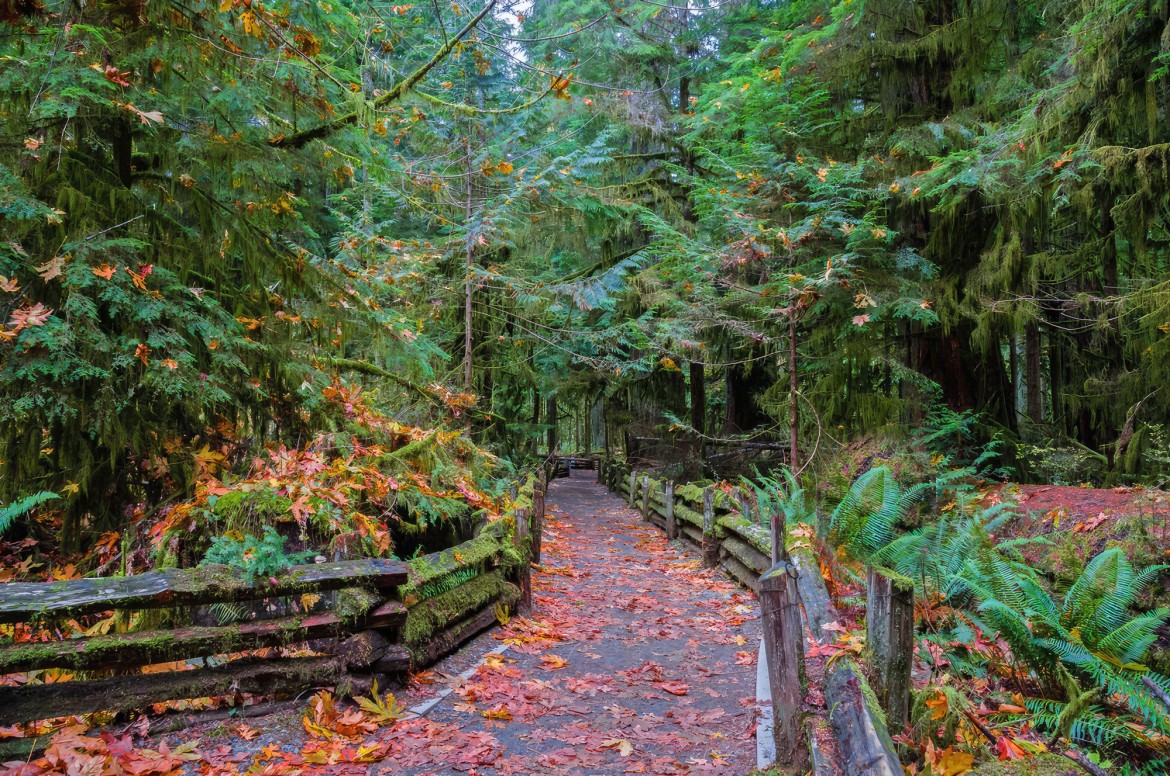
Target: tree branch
<point>300,139</point>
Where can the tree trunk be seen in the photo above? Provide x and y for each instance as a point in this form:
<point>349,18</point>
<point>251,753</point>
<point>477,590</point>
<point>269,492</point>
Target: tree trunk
<point>1032,372</point>
<point>552,425</point>
<point>698,399</point>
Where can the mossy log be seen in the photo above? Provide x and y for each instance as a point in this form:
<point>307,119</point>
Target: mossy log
<point>125,650</point>
<point>746,554</point>
<point>23,601</point>
<point>429,574</point>
<point>449,639</point>
<point>755,535</point>
<point>858,724</point>
<point>362,649</point>
<point>429,617</point>
<point>687,515</point>
<point>814,596</point>
<point>31,702</point>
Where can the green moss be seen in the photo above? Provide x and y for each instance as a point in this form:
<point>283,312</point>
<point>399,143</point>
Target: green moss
<point>692,492</point>
<point>871,699</point>
<point>354,602</point>
<point>427,574</point>
<point>900,582</point>
<point>753,534</point>
<point>426,618</point>
<point>241,510</point>
<point>1039,765</point>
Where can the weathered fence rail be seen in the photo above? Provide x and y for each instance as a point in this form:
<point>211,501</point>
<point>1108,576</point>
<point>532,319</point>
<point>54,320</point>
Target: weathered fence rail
<point>721,521</point>
<point>361,621</point>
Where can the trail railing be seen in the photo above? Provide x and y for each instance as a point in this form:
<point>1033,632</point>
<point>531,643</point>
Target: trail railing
<point>358,621</point>
<point>723,523</point>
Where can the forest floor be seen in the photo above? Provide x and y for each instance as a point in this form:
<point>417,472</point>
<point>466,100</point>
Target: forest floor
<point>1076,523</point>
<point>635,659</point>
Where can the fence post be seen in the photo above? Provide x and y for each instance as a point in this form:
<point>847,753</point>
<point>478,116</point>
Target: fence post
<point>633,487</point>
<point>745,505</point>
<point>538,497</point>
<point>525,576</point>
<point>710,540</point>
<point>784,648</point>
<point>646,497</point>
<point>668,502</point>
<point>779,552</point>
<point>889,624</point>
<point>601,470</point>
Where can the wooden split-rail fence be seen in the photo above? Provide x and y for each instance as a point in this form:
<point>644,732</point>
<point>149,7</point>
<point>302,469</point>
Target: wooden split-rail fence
<point>344,624</point>
<point>863,705</point>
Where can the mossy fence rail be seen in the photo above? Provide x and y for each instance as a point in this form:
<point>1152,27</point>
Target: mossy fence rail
<point>359,621</point>
<point>723,522</point>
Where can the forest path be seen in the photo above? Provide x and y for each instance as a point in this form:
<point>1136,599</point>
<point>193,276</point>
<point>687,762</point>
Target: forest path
<point>635,659</point>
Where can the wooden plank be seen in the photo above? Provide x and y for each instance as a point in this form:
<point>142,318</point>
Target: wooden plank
<point>21,601</point>
<point>784,646</point>
<point>741,573</point>
<point>125,650</point>
<point>863,740</point>
<point>692,534</point>
<point>746,554</point>
<point>391,614</point>
<point>448,640</point>
<point>30,702</point>
<point>818,607</point>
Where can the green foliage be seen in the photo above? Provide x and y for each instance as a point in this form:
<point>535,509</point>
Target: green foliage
<point>258,557</point>
<point>10,512</point>
<point>874,508</point>
<point>783,495</point>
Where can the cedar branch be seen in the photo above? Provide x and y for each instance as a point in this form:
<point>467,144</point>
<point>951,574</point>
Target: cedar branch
<point>300,139</point>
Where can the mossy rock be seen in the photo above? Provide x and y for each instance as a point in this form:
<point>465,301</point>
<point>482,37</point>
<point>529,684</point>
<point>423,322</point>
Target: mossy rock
<point>1038,765</point>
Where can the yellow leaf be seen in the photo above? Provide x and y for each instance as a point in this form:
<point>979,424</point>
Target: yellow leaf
<point>938,705</point>
<point>623,747</point>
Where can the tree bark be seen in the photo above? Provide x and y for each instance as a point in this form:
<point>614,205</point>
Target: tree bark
<point>1032,357</point>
